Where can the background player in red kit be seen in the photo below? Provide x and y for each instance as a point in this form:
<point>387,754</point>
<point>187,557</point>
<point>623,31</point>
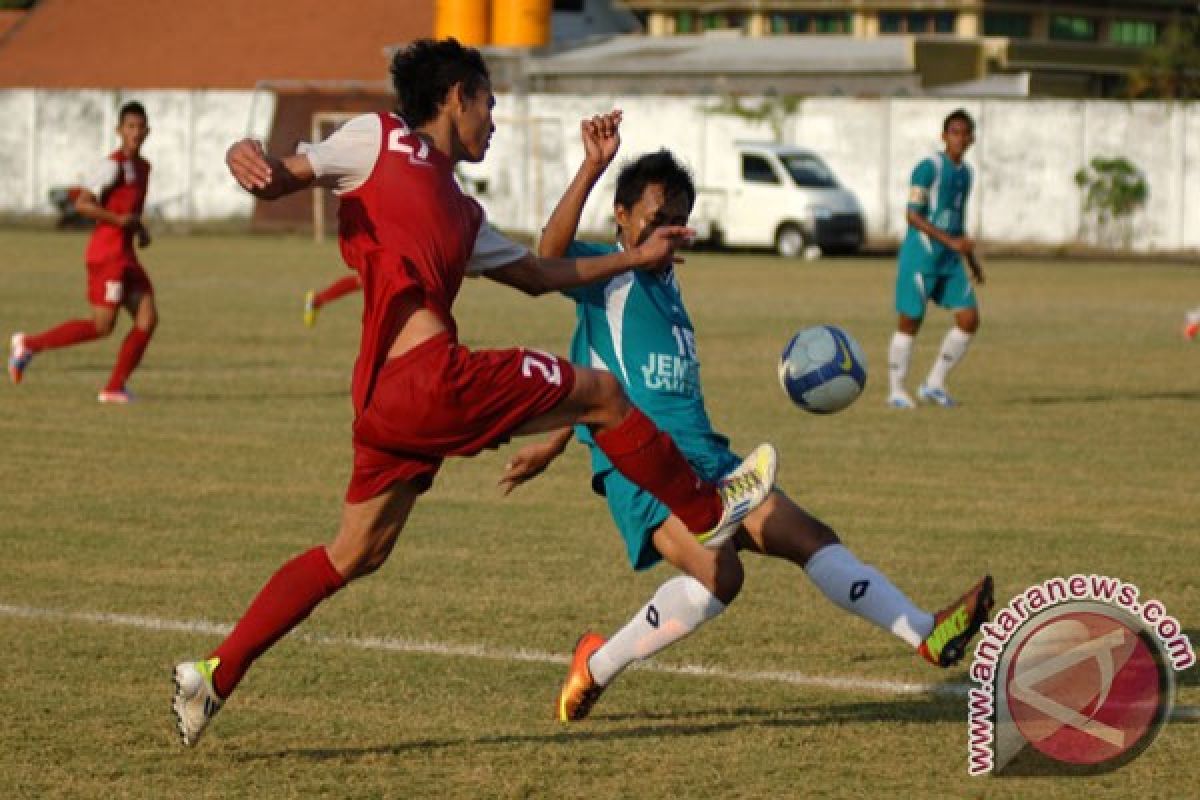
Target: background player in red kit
<point>113,197</point>
<point>412,235</point>
<point>314,301</point>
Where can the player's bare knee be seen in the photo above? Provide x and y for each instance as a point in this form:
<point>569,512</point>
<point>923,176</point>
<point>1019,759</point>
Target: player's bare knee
<point>611,404</point>
<point>105,325</point>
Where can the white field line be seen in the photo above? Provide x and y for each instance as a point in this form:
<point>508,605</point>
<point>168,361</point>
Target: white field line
<point>843,684</point>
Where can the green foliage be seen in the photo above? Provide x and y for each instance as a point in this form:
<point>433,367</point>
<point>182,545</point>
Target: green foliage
<point>1171,69</point>
<point>1113,188</point>
<point>15,5</point>
<point>771,110</point>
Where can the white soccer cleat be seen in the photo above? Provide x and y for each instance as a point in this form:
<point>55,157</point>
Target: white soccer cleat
<point>742,491</point>
<point>936,395</point>
<point>195,702</point>
<point>901,400</point>
<point>115,397</point>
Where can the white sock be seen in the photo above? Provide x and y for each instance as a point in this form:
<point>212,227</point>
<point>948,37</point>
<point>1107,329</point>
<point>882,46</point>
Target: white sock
<point>680,605</point>
<point>954,347</point>
<point>899,354</point>
<point>863,590</point>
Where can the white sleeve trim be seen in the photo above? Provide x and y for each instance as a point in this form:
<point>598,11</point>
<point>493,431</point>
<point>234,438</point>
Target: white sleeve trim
<point>102,177</point>
<point>493,250</point>
<point>345,159</point>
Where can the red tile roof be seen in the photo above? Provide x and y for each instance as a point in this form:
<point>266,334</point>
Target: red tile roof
<point>217,44</point>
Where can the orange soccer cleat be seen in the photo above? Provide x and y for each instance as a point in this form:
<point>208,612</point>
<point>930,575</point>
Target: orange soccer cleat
<point>580,691</point>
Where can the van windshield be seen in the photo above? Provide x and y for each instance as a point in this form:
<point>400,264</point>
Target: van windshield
<point>808,171</point>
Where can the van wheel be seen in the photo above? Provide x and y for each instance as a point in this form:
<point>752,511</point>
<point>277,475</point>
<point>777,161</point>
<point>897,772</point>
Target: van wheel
<point>789,241</point>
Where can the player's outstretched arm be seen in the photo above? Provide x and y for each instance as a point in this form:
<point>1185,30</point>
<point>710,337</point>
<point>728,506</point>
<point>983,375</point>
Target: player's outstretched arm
<point>267,177</point>
<point>532,459</point>
<point>536,276</point>
<point>601,140</point>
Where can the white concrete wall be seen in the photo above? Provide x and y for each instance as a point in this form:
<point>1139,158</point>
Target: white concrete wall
<point>1026,156</point>
<point>54,138</point>
<point>1025,159</point>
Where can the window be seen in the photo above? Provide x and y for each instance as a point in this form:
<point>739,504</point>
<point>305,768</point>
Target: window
<point>1072,29</point>
<point>756,169</point>
<point>831,23</point>
<point>895,22</point>
<point>685,22</point>
<point>788,22</point>
<point>1133,33</point>
<point>724,20</point>
<point>1002,23</point>
<point>809,171</point>
<point>568,5</point>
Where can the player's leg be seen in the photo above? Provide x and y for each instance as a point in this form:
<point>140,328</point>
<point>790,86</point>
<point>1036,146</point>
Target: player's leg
<point>911,299</point>
<point>710,581</point>
<point>366,536</point>
<point>953,291</point>
<point>782,529</point>
<point>1191,324</point>
<point>23,347</point>
<point>649,457</point>
<point>314,301</point>
<point>142,308</point>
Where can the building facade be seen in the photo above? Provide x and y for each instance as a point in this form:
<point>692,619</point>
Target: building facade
<point>1068,47</point>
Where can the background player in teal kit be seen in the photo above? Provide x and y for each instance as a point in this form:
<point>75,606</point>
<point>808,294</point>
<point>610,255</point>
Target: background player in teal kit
<point>931,264</point>
<point>637,327</point>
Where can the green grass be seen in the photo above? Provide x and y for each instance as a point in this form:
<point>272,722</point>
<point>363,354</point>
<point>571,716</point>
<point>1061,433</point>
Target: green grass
<point>1075,450</point>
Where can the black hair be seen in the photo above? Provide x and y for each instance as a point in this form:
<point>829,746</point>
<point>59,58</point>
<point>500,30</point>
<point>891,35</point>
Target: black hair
<point>661,168</point>
<point>425,71</point>
<point>958,113</point>
<point>132,107</point>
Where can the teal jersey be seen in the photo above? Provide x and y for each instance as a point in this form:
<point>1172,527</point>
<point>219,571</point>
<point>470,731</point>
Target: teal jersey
<point>938,191</point>
<point>635,326</point>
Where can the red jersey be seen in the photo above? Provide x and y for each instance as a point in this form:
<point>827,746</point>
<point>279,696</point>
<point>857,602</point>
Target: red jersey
<point>408,228</point>
<point>121,190</point>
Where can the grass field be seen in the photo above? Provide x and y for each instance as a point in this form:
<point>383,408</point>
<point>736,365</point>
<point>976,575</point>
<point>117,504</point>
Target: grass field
<point>1076,449</point>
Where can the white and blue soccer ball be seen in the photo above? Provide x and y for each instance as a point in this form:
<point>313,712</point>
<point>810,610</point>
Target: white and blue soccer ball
<point>823,369</point>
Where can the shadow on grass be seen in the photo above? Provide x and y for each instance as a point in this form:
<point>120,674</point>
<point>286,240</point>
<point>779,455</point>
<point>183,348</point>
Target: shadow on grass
<point>655,725</point>
<point>1109,397</point>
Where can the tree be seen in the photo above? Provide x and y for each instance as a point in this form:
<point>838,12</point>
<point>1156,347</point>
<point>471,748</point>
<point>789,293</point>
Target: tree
<point>1171,69</point>
<point>1113,188</point>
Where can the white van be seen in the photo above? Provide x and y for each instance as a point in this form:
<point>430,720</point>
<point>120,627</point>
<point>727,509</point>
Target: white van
<point>778,196</point>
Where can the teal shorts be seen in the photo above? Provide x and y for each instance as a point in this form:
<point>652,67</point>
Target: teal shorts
<point>923,276</point>
<point>638,514</point>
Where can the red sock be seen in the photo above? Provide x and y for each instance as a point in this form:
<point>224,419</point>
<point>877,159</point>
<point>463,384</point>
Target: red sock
<point>283,603</point>
<point>75,331</point>
<point>649,458</point>
<point>128,359</point>
<point>339,288</point>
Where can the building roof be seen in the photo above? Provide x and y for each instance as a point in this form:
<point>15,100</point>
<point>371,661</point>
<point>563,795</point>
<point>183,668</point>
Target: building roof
<point>733,53</point>
<point>215,44</point>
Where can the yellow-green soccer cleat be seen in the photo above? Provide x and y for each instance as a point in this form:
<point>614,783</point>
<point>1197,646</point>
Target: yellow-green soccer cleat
<point>955,625</point>
<point>196,701</point>
<point>742,491</point>
<point>579,691</point>
<point>310,308</point>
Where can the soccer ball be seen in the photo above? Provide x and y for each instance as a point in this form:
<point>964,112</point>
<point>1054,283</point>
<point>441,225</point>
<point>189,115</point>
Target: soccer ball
<point>822,369</point>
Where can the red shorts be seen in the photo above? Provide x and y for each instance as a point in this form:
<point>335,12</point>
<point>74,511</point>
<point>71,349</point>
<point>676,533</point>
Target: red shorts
<point>110,282</point>
<point>441,399</point>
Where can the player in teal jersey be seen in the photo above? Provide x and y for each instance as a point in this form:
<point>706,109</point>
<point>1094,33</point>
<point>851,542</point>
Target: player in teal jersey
<point>637,327</point>
<point>931,264</point>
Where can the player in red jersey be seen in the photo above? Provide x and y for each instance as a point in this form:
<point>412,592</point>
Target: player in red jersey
<point>419,396</point>
<point>314,301</point>
<point>113,197</point>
